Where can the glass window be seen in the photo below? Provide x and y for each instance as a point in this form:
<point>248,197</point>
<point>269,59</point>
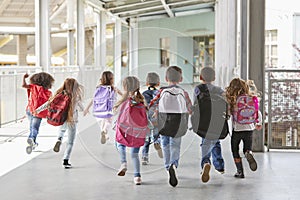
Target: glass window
<point>165,52</point>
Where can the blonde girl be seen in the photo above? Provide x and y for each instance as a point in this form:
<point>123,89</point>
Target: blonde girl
<point>131,86</point>
<point>75,92</point>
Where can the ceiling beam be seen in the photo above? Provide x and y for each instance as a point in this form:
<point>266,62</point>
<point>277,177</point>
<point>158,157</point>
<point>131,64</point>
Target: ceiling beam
<point>58,10</point>
<point>60,52</point>
<point>167,8</point>
<point>6,40</point>
<point>3,5</point>
<point>132,5</point>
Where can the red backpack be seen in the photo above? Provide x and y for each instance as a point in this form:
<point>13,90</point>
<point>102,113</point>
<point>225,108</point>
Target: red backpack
<point>132,124</point>
<point>246,111</point>
<point>37,96</point>
<point>58,109</point>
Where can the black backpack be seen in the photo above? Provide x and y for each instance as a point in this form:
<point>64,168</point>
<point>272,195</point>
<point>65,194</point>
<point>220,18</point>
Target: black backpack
<point>209,118</point>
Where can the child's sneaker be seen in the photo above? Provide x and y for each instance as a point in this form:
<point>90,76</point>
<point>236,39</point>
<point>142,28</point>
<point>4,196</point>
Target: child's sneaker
<point>158,149</point>
<point>172,176</point>
<point>220,171</point>
<point>145,160</point>
<point>239,174</point>
<point>31,145</point>
<point>205,173</point>
<point>251,160</point>
<point>57,146</point>
<point>103,137</point>
<point>137,180</point>
<point>66,164</point>
<point>122,170</point>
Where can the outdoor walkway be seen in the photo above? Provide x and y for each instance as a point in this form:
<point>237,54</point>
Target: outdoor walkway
<point>40,176</point>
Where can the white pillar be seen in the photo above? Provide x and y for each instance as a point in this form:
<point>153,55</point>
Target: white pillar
<point>133,47</point>
<point>70,39</point>
<point>42,35</point>
<point>118,51</point>
<point>244,24</point>
<point>80,34</point>
<point>100,40</point>
<point>225,41</point>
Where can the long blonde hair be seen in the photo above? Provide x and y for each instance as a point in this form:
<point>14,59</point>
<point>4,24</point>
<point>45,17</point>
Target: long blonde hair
<point>75,92</point>
<point>131,86</point>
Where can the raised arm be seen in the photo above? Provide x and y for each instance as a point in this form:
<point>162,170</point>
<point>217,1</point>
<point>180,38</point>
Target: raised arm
<point>86,110</point>
<point>25,85</point>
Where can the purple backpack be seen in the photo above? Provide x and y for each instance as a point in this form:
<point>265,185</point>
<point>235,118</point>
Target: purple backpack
<point>132,124</point>
<point>103,103</point>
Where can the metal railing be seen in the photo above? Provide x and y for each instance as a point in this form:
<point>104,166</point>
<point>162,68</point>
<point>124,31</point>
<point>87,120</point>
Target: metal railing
<point>283,108</point>
<point>13,98</point>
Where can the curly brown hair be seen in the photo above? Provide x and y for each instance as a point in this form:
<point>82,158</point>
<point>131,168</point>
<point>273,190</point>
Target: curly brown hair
<point>236,88</point>
<point>42,79</point>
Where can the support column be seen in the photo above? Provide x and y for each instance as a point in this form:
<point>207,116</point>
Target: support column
<point>226,41</point>
<point>133,47</point>
<point>80,40</point>
<point>244,24</point>
<point>256,59</point>
<point>70,39</point>
<point>100,40</point>
<point>42,35</point>
<point>80,32</point>
<point>22,50</point>
<point>89,46</point>
<point>118,52</point>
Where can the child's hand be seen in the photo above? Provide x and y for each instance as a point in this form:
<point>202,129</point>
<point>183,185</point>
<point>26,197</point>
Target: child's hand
<point>26,75</point>
<point>258,127</point>
<point>34,113</point>
<point>85,112</point>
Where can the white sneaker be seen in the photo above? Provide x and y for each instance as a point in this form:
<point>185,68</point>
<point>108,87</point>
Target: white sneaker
<point>122,170</point>
<point>103,137</point>
<point>137,180</point>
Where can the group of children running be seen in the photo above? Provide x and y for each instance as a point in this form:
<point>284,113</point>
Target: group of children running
<point>157,116</point>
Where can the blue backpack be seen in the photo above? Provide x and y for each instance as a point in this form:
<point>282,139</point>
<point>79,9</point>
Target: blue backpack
<point>103,103</point>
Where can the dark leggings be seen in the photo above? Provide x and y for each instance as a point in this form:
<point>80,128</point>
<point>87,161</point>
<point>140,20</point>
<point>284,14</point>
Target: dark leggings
<point>246,137</point>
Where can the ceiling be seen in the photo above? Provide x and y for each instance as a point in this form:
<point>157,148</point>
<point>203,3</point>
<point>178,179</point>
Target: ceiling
<point>21,13</point>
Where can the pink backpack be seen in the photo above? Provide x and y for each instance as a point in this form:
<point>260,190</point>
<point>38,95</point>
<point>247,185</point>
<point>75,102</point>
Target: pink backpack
<point>246,111</point>
<point>132,124</point>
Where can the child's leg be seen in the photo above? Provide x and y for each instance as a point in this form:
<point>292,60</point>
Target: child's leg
<point>122,152</point>
<point>235,141</point>
<point>145,149</point>
<point>35,126</point>
<point>217,157</point>
<point>206,148</point>
<point>71,139</point>
<point>247,139</point>
<point>135,161</point>
<point>175,144</point>
<point>165,143</point>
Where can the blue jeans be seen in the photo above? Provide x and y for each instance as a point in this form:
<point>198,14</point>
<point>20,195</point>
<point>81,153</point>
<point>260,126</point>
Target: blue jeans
<point>134,156</point>
<point>71,137</point>
<point>34,125</point>
<point>212,148</point>
<point>171,150</point>
<point>153,137</point>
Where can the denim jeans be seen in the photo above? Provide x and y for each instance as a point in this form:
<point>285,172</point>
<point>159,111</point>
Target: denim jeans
<point>171,150</point>
<point>34,125</point>
<point>212,148</point>
<point>134,156</point>
<point>71,137</point>
<point>153,137</point>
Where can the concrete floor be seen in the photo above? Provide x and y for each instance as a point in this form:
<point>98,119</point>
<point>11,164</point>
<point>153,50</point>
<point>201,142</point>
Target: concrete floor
<point>95,165</point>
